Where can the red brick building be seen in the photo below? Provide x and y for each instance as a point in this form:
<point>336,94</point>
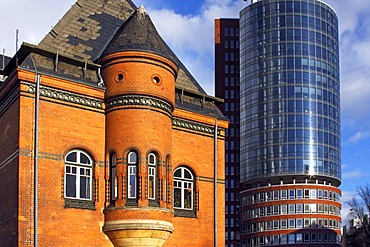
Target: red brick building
<point>125,147</point>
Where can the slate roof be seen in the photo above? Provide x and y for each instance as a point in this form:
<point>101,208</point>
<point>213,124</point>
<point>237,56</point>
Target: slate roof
<point>92,27</point>
<point>139,34</point>
<point>89,26</point>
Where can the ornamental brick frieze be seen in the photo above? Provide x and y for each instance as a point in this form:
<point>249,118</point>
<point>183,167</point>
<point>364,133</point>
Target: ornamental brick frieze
<point>193,126</point>
<point>140,100</point>
<point>65,96</point>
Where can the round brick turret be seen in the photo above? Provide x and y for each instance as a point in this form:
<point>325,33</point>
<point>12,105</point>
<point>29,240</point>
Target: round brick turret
<point>140,99</point>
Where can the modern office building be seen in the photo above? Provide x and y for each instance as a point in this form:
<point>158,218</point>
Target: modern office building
<point>290,124</point>
<point>106,139</point>
<point>227,87</point>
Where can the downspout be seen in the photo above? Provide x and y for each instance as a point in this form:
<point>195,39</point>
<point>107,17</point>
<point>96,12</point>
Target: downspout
<point>36,155</point>
<point>215,186</point>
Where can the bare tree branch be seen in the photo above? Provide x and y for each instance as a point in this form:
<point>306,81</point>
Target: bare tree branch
<point>360,209</point>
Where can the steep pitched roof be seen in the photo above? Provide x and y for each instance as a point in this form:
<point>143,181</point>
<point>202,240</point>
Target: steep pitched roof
<point>139,34</point>
<point>87,28</point>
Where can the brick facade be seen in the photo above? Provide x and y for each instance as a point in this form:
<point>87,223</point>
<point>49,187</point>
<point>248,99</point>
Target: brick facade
<point>139,108</point>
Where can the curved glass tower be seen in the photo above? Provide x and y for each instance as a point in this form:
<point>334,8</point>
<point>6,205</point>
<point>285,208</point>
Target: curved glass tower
<point>290,123</point>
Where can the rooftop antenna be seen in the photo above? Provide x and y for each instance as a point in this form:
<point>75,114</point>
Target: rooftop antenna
<point>3,58</point>
<point>16,46</point>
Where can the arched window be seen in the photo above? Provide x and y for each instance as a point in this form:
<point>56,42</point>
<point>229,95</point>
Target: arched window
<point>78,175</point>
<point>183,187</point>
<point>113,178</point>
<point>132,163</point>
<point>152,168</point>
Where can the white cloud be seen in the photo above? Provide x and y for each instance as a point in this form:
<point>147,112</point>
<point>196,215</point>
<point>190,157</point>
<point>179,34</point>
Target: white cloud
<point>353,174</point>
<point>346,196</point>
<point>32,22</point>
<point>354,27</point>
<point>358,136</point>
<point>192,36</point>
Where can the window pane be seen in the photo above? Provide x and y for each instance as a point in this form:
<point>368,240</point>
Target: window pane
<point>151,159</point>
<point>177,173</point>
<point>187,174</point>
<point>114,184</point>
<point>188,197</point>
<point>72,157</point>
<point>132,158</point>
<point>151,183</point>
<point>70,185</point>
<point>177,197</point>
<point>85,187</point>
<point>132,182</point>
<point>84,159</point>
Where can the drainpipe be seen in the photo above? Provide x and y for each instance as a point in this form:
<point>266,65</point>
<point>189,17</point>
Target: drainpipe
<point>215,186</point>
<point>36,156</point>
<point>36,159</point>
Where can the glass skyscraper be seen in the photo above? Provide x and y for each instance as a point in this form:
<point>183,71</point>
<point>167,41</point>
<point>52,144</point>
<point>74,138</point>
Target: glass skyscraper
<point>290,154</point>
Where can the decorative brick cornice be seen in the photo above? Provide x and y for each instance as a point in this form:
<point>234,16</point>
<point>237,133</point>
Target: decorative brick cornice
<point>140,100</point>
<point>13,95</point>
<point>65,96</point>
<point>194,126</point>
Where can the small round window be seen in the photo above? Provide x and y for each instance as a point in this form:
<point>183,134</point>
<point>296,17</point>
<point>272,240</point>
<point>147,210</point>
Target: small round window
<point>120,77</point>
<point>156,79</point>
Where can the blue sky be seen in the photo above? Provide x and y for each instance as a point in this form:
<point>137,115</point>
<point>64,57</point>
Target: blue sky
<point>187,26</point>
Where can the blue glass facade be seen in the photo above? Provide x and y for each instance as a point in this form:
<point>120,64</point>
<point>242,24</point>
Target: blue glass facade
<point>289,91</point>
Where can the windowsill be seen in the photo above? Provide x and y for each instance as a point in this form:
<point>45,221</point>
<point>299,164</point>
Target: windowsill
<point>153,203</point>
<point>131,202</point>
<point>185,213</point>
<point>81,204</point>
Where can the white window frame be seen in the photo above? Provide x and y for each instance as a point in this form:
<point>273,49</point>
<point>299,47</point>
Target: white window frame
<point>114,179</point>
<point>152,167</point>
<point>183,183</point>
<point>132,166</point>
<point>79,169</point>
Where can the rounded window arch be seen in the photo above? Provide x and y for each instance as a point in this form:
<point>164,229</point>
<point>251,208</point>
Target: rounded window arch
<point>183,188</point>
<point>78,175</point>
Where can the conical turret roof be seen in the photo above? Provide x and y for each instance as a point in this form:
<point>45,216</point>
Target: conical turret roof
<point>138,33</point>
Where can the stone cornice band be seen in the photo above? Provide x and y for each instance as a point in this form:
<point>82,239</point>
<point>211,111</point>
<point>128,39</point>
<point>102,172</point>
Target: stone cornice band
<point>122,100</point>
<point>140,100</point>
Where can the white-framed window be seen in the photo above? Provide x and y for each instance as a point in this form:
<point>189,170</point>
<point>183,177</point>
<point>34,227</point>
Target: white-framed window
<point>183,189</point>
<point>78,175</point>
<point>152,168</point>
<point>113,177</point>
<point>132,162</point>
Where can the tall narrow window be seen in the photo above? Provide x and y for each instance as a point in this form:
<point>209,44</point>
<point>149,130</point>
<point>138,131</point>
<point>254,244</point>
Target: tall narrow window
<point>132,175</point>
<point>113,178</point>
<point>152,167</point>
<point>78,175</point>
<point>183,189</point>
